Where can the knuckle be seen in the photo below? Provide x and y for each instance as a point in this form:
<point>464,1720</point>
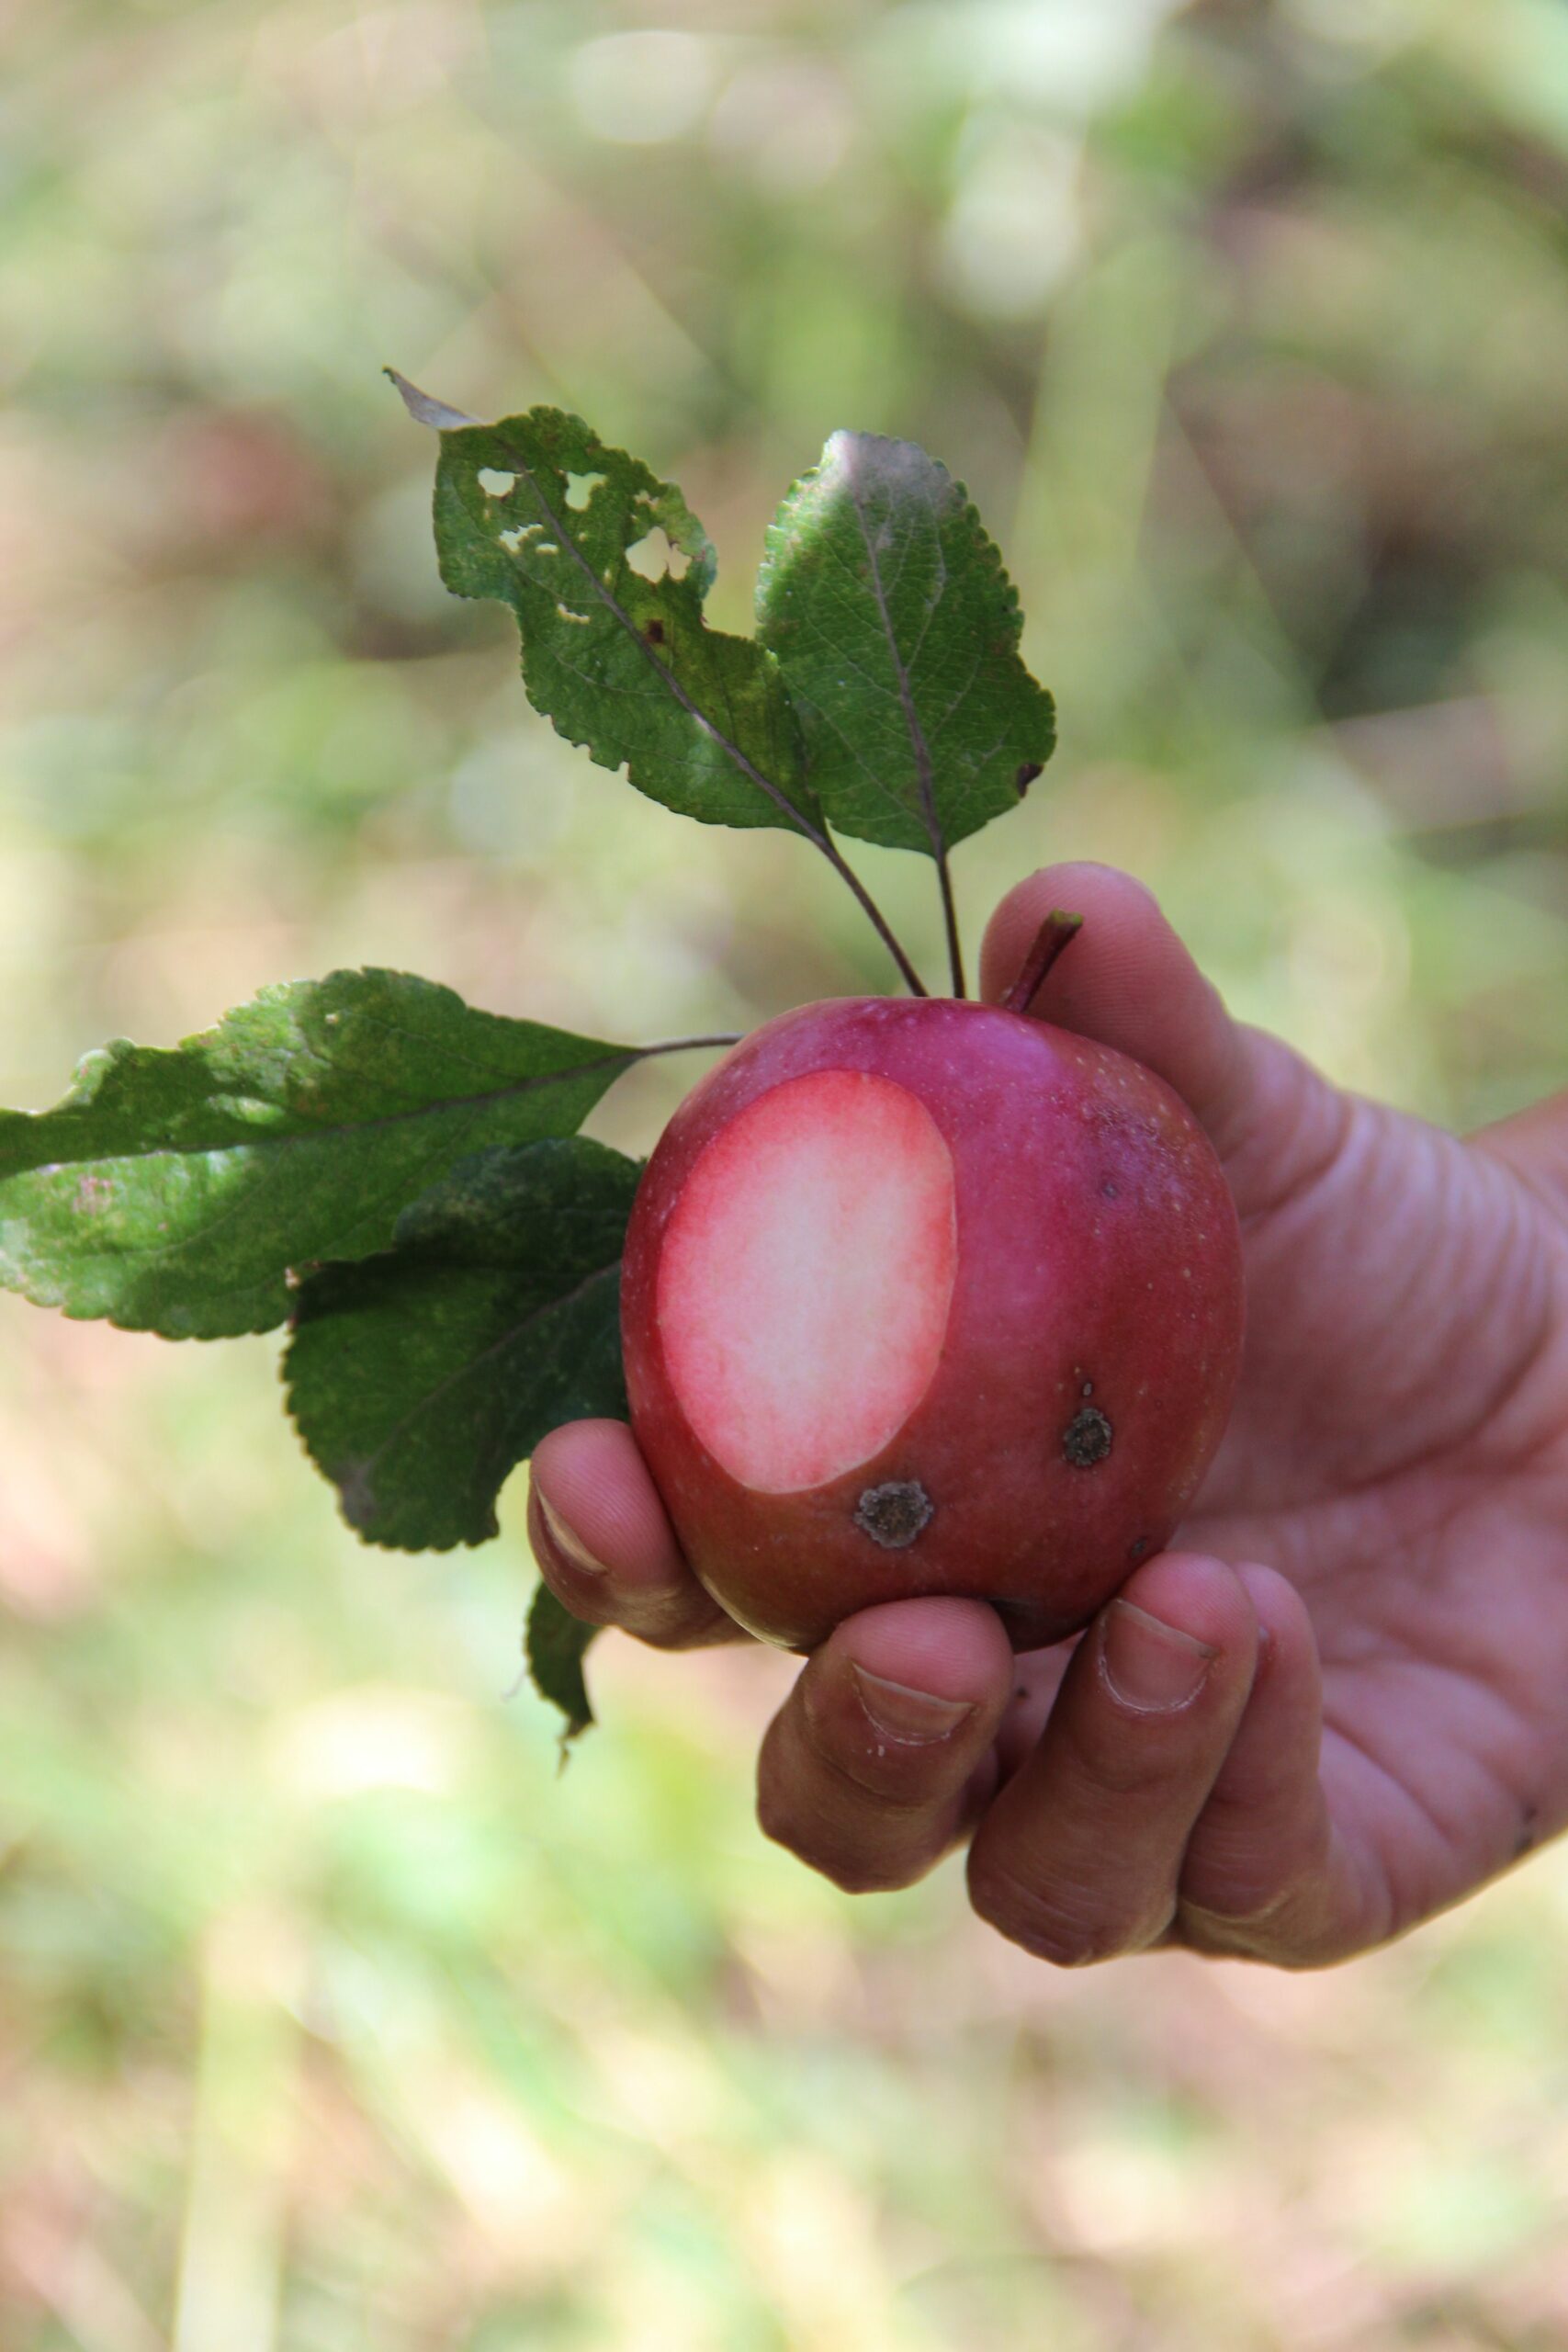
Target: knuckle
<point>1116,1769</point>
<point>1251,1888</point>
<point>587,1603</point>
<point>867,1873</point>
<point>779,1821</point>
<point>683,1622</point>
<point>1056,1925</point>
<point>886,1795</point>
<point>867,1824</point>
<point>854,1870</point>
<point>1277,1934</point>
<point>1256,1896</point>
<point>1214,1937</point>
<point>862,1847</point>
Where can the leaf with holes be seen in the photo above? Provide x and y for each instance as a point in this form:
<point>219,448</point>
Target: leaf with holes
<point>554,1644</point>
<point>537,513</point>
<point>898,632</point>
<point>174,1191</point>
<point>420,1378</point>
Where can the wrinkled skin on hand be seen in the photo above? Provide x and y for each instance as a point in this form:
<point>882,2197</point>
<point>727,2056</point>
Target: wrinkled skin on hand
<point>1340,1703</point>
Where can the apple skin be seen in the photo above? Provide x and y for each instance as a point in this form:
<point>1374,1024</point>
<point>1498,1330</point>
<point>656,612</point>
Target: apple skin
<point>1081,1364</point>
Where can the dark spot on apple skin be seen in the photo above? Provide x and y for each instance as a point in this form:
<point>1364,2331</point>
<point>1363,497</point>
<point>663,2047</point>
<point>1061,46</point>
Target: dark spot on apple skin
<point>1027,773</point>
<point>654,632</point>
<point>1110,1190</point>
<point>1086,1438</point>
<point>1136,1549</point>
<point>893,1514</point>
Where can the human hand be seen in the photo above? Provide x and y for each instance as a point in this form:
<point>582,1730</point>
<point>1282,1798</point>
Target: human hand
<point>1340,1702</point>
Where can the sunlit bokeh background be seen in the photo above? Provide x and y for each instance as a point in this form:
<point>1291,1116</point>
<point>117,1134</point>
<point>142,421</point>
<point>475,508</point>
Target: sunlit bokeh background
<point>331,2018</point>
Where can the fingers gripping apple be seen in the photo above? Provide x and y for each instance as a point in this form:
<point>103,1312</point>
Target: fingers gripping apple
<point>923,1296</point>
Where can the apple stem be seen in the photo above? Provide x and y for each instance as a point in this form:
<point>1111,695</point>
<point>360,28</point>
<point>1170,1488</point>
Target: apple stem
<point>1057,931</point>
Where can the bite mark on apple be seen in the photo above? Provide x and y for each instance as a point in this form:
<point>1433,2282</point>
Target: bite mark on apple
<point>805,1279</point>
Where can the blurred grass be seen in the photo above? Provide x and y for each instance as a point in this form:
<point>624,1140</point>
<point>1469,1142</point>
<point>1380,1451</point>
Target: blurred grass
<point>329,2016</point>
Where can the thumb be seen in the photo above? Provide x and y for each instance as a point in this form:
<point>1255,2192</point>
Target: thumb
<point>1534,1143</point>
<point>1127,981</point>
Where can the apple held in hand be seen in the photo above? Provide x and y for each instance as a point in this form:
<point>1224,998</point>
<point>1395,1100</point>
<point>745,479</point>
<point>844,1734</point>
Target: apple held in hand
<point>927,1297</point>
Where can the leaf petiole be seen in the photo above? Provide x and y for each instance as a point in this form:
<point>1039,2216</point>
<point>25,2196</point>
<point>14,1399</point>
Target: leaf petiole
<point>880,924</point>
<point>685,1044</point>
<point>950,919</point>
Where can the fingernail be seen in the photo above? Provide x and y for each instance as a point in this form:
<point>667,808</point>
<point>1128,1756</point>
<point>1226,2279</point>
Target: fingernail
<point>571,1547</point>
<point>914,1715</point>
<point>1150,1665</point>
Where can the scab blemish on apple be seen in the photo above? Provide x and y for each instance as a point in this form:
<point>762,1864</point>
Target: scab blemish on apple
<point>869,1260</point>
<point>895,1514</point>
<point>1087,1440</point>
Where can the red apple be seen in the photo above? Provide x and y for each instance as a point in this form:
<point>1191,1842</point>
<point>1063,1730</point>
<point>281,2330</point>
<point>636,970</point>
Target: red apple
<point>923,1296</point>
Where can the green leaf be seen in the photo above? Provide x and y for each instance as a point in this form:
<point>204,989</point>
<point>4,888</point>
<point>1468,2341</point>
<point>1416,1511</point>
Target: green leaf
<point>174,1191</point>
<point>555,1643</point>
<point>537,513</point>
<point>897,631</point>
<point>419,1379</point>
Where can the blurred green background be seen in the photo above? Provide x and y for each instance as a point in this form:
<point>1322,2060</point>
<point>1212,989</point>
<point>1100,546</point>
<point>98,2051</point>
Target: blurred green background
<point>330,2017</point>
